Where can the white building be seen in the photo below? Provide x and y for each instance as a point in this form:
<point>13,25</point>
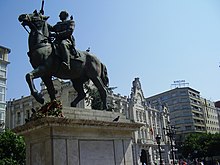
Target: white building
<point>145,148</point>
<point>3,77</point>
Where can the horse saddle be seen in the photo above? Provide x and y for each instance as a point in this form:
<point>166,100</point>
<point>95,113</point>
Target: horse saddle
<point>73,53</point>
<point>76,55</point>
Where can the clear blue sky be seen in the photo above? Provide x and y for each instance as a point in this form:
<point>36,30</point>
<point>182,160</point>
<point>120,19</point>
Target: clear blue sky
<point>158,41</point>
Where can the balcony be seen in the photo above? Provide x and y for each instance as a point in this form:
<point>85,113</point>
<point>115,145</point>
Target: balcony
<point>144,141</point>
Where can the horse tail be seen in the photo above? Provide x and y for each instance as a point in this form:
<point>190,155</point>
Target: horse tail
<point>104,75</point>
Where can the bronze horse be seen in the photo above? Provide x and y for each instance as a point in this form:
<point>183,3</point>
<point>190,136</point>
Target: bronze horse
<point>47,64</point>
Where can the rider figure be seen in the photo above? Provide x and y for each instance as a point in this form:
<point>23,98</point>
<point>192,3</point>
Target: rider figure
<point>64,38</point>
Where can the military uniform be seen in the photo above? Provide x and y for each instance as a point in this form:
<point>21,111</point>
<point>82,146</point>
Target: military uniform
<point>65,39</point>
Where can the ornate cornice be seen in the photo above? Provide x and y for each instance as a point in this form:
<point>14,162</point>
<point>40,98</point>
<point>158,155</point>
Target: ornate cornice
<point>67,122</point>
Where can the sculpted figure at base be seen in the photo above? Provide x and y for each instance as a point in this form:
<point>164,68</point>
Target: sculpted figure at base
<point>47,60</point>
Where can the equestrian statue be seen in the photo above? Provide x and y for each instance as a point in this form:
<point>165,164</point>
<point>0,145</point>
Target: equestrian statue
<point>52,53</point>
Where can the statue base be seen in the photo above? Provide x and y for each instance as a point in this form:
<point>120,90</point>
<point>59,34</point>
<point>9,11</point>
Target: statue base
<point>82,137</point>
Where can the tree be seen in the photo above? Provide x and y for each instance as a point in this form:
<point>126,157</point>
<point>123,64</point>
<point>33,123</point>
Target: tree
<point>214,145</point>
<point>190,146</point>
<point>12,148</point>
<point>201,145</point>
<point>93,97</point>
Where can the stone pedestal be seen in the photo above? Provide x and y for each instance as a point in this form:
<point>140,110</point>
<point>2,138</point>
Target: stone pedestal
<point>83,137</point>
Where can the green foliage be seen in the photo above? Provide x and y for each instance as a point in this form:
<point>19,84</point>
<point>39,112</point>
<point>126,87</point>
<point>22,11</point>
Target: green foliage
<point>8,161</point>
<point>96,102</point>
<point>12,149</point>
<point>201,145</point>
<point>94,97</point>
<point>214,145</point>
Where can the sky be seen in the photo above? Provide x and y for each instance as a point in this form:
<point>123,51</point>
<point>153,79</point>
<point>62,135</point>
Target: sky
<point>159,41</point>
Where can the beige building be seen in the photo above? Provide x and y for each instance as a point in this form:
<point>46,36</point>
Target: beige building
<point>211,116</point>
<point>3,77</point>
<point>189,113</point>
<point>185,109</point>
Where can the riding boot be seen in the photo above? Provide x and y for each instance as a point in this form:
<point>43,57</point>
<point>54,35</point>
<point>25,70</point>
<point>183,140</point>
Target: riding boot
<point>65,63</point>
<point>65,54</point>
<point>74,52</point>
<point>73,49</point>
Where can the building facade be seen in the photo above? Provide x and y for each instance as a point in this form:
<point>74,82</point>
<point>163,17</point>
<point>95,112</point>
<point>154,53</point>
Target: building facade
<point>211,116</point>
<point>20,109</point>
<point>189,113</point>
<point>3,77</point>
<point>145,148</point>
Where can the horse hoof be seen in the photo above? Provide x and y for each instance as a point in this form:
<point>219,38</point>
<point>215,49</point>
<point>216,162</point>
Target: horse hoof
<point>73,105</point>
<point>38,98</point>
<point>105,107</point>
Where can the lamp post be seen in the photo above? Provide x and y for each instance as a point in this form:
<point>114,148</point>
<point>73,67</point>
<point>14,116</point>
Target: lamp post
<point>158,138</point>
<point>170,133</point>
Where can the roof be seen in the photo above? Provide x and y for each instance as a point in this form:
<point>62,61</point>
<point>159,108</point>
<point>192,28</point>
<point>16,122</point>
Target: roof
<point>2,47</point>
<point>169,91</point>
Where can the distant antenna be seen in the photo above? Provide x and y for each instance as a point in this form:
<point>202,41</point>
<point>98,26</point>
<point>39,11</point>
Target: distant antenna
<point>179,84</point>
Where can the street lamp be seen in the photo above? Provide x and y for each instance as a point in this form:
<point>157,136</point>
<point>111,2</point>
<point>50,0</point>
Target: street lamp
<point>158,138</point>
<point>170,133</point>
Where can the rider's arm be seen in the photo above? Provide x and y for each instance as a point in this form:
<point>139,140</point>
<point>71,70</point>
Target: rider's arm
<point>50,28</point>
<point>67,32</point>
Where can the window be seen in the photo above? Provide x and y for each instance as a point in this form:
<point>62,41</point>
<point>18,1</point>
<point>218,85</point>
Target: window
<point>144,117</point>
<point>175,101</point>
<point>183,99</point>
<point>187,121</point>
<point>27,114</point>
<point>2,74</point>
<point>2,97</point>
<point>2,94</point>
<point>140,116</point>
<point>185,107</point>
<point>137,115</point>
<point>2,106</point>
<point>188,127</point>
<point>3,66</point>
<point>1,115</point>
<point>164,98</point>
<point>2,82</point>
<point>18,117</point>
<point>182,93</point>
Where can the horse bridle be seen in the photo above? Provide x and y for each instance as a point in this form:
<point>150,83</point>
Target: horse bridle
<point>32,24</point>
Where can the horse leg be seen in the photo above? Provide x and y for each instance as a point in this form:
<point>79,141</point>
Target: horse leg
<point>78,86</point>
<point>36,73</point>
<point>102,90</point>
<point>50,87</point>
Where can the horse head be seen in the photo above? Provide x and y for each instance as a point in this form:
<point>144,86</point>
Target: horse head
<point>38,26</point>
<point>34,20</point>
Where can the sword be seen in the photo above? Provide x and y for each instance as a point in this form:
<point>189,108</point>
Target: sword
<point>42,8</point>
